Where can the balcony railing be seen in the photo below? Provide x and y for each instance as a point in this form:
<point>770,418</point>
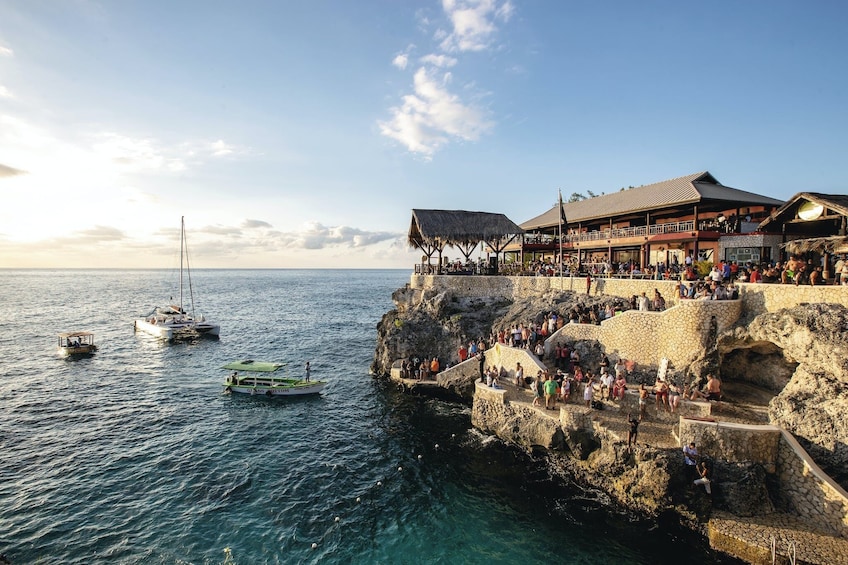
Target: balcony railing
<point>615,233</point>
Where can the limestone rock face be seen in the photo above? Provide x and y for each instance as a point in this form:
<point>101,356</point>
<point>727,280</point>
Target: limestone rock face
<point>516,424</point>
<point>741,489</point>
<point>800,353</point>
<point>428,324</point>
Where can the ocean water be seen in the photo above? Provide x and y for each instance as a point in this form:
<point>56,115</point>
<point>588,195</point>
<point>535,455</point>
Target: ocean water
<point>134,455</point>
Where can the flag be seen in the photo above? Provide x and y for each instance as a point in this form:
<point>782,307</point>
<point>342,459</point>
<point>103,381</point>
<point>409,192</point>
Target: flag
<point>562,219</point>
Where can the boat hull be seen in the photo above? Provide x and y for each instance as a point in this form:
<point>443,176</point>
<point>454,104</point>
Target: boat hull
<point>299,389</point>
<point>80,350</point>
<point>172,330</point>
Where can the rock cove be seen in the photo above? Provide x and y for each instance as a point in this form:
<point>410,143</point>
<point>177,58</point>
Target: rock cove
<point>778,443</point>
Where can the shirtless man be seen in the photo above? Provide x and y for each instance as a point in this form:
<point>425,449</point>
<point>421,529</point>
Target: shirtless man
<point>643,400</point>
<point>711,392</point>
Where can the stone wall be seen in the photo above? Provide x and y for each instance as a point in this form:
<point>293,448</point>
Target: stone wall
<point>812,493</point>
<point>733,442</point>
<point>809,491</point>
<point>756,298</point>
<point>681,334</point>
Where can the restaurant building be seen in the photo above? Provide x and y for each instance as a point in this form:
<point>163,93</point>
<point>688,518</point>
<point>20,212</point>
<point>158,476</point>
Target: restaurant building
<point>664,222</point>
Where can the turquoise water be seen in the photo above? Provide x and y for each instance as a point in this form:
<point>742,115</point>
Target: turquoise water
<point>134,455</point>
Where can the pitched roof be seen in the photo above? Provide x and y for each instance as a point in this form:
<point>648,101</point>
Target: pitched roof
<point>836,202</point>
<point>458,227</point>
<point>689,189</point>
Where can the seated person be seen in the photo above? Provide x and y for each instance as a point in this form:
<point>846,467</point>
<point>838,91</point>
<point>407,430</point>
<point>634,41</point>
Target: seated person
<point>711,392</point>
<point>618,387</point>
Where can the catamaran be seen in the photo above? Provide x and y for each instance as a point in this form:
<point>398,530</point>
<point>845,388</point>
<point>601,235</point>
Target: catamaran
<point>173,321</point>
<point>259,378</point>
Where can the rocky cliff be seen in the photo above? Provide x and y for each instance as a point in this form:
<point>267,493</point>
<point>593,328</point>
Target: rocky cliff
<point>801,354</point>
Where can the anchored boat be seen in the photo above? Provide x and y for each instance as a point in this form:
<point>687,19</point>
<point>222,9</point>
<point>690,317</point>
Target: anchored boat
<point>76,343</point>
<point>261,378</point>
<point>173,321</point>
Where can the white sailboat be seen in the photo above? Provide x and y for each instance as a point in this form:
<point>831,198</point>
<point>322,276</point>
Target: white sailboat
<point>173,321</point>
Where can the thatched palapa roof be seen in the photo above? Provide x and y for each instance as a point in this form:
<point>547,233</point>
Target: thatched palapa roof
<point>437,228</point>
<point>832,244</point>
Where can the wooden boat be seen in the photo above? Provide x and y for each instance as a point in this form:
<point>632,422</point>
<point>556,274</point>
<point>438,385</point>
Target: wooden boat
<point>76,343</point>
<point>173,322</point>
<point>260,378</point>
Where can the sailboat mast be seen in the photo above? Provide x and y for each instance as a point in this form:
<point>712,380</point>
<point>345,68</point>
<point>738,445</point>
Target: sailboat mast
<point>182,246</point>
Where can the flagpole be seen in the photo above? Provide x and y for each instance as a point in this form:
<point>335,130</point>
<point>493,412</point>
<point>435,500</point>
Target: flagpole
<point>559,213</point>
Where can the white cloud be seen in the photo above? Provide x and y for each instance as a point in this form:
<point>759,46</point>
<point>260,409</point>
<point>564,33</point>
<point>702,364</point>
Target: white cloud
<point>317,236</point>
<point>219,148</point>
<point>432,115</point>
<point>441,61</point>
<point>6,51</point>
<point>5,92</point>
<point>473,23</point>
<point>401,61</point>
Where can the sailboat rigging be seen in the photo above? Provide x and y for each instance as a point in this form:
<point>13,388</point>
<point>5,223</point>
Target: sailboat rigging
<point>173,321</point>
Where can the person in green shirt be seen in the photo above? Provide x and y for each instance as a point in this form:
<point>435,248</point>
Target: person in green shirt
<point>550,393</point>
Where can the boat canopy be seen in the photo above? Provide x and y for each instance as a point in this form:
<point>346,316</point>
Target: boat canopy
<point>75,334</point>
<point>256,366</point>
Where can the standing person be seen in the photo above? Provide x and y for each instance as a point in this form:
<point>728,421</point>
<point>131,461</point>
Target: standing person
<point>690,460</point>
<point>588,393</point>
<point>536,387</point>
<point>620,368</point>
<point>481,359</point>
<point>463,352</point>
<point>643,400</point>
<point>634,429</point>
<point>540,350</point>
<point>434,366</point>
<point>550,393</point>
<point>519,376</point>
<point>588,283</point>
<point>565,389</point>
<point>607,381</point>
<point>308,371</point>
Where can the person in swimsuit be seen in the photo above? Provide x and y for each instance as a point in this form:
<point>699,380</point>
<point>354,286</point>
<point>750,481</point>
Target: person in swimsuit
<point>673,397</point>
<point>643,400</point>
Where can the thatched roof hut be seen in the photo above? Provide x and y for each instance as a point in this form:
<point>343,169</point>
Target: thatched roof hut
<point>832,244</point>
<point>433,230</point>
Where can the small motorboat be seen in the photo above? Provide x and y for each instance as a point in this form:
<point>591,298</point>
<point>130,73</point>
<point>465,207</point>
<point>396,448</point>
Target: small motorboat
<point>261,378</point>
<point>76,343</point>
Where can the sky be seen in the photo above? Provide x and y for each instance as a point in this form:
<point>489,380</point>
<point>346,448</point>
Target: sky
<point>302,134</point>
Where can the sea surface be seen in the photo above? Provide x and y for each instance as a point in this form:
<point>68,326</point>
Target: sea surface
<point>135,454</point>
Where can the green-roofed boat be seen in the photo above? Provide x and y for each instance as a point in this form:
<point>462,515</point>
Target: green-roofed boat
<point>260,378</point>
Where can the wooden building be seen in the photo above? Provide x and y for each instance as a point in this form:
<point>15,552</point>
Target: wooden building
<point>664,222</point>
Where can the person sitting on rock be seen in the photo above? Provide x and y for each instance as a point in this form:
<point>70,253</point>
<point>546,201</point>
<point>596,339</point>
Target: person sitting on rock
<point>619,386</point>
<point>711,392</point>
<point>704,473</point>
